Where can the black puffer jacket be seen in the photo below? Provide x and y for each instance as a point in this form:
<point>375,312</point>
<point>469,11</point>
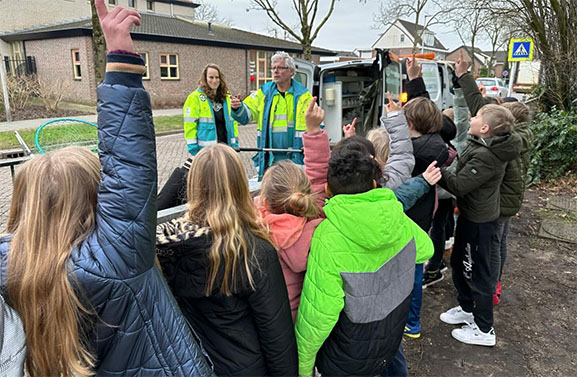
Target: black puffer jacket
<point>426,149</point>
<point>250,333</point>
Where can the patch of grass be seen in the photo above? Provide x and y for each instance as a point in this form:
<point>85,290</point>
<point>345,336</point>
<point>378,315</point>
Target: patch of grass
<point>8,139</point>
<point>168,123</point>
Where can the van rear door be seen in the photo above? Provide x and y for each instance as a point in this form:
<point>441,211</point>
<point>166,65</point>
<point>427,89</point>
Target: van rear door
<point>432,82</point>
<point>305,73</point>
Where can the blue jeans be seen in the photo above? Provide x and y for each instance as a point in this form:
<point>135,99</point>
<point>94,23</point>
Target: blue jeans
<point>416,298</point>
<point>397,367</point>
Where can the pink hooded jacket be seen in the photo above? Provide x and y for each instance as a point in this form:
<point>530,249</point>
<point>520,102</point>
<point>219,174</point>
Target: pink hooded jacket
<point>291,234</point>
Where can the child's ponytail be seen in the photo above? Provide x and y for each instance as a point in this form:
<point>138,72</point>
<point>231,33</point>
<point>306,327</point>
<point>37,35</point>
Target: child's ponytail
<point>302,205</point>
<point>286,189</point>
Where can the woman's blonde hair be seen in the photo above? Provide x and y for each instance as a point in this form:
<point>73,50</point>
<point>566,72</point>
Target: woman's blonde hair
<point>381,141</point>
<point>222,90</point>
<point>52,211</point>
<point>287,189</point>
<point>218,197</point>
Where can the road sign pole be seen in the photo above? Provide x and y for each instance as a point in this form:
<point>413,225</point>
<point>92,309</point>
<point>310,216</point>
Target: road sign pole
<point>512,78</point>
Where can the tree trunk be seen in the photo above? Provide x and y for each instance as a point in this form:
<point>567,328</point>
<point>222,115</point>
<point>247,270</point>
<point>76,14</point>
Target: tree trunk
<point>99,47</point>
<point>307,50</point>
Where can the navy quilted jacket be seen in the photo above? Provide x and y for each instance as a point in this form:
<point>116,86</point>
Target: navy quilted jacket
<point>140,330</point>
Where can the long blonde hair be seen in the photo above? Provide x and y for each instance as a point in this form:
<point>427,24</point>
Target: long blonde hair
<point>382,143</point>
<point>218,197</point>
<point>287,189</point>
<point>53,210</point>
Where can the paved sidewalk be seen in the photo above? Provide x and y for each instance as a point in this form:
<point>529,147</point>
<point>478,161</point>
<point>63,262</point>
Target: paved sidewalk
<point>171,152</point>
<point>35,123</point>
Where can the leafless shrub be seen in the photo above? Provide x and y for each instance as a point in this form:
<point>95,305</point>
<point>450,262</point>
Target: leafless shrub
<point>50,93</point>
<point>20,89</point>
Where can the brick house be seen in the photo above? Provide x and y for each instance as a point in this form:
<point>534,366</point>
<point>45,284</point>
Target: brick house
<point>481,58</point>
<point>400,35</point>
<point>175,48</point>
<point>31,14</point>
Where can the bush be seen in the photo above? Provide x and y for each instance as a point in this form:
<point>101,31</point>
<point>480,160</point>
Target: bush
<point>20,89</point>
<point>555,144</point>
<point>50,93</point>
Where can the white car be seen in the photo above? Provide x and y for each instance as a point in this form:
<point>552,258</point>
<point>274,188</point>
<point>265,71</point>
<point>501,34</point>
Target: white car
<point>494,87</point>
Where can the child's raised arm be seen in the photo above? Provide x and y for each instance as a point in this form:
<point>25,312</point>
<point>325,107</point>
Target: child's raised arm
<point>401,160</point>
<point>126,212</point>
<point>317,151</point>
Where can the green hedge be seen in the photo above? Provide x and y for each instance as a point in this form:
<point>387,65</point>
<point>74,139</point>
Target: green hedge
<point>555,148</point>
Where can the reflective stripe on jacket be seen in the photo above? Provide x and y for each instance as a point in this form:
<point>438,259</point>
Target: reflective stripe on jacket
<point>199,124</point>
<point>285,123</point>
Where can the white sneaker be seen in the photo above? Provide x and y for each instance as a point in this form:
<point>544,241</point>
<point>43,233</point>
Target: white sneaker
<point>471,334</point>
<point>456,316</point>
<point>449,243</point>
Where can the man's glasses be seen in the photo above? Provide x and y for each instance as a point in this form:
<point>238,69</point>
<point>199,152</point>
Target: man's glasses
<point>278,69</point>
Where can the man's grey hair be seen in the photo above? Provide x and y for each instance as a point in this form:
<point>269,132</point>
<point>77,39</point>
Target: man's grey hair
<point>288,60</point>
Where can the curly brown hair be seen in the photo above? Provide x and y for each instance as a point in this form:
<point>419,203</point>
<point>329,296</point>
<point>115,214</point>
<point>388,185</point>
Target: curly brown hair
<point>220,94</point>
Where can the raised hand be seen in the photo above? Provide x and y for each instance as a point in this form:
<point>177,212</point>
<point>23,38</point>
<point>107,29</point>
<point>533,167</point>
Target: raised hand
<point>314,117</point>
<point>116,26</point>
<point>392,105</point>
<point>461,65</point>
<point>433,174</point>
<point>349,129</point>
<point>235,102</point>
<point>414,69</point>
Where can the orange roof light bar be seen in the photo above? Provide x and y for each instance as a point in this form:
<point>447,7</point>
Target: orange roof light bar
<point>427,55</point>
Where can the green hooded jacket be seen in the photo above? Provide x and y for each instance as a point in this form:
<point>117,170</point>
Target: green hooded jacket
<point>360,235</point>
<point>479,175</point>
<point>513,184</point>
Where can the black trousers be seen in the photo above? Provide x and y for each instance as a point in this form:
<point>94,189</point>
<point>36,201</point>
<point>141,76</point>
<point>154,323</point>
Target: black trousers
<point>471,264</point>
<point>443,225</point>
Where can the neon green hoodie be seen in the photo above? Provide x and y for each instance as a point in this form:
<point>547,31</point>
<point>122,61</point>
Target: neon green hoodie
<point>348,270</point>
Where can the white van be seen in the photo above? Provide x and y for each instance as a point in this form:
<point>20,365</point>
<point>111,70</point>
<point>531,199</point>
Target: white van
<point>437,77</point>
<point>352,89</point>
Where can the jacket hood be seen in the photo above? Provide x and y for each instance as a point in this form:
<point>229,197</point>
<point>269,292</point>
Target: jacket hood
<point>426,149</point>
<point>371,220</point>
<point>506,148</point>
<point>285,228</point>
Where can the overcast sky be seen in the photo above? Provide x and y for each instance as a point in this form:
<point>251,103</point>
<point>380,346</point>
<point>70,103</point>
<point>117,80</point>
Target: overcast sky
<point>349,27</point>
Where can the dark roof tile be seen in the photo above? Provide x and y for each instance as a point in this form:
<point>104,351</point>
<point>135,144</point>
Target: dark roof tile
<point>154,25</point>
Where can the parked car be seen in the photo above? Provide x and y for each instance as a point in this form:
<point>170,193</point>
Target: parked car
<point>494,87</point>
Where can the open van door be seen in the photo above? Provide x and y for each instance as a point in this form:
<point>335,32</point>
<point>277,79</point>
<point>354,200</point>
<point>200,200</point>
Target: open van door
<point>305,73</point>
<point>446,73</point>
<point>432,81</point>
<point>355,89</point>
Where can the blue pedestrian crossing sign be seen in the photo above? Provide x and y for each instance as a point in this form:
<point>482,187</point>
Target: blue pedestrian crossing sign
<point>520,49</point>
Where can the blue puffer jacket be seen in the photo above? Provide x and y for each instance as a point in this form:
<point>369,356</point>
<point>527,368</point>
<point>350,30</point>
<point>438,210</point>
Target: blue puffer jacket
<point>140,331</point>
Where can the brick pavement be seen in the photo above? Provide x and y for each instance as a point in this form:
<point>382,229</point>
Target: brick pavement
<point>171,152</point>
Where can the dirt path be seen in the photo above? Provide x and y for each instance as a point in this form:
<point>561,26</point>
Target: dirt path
<point>535,322</point>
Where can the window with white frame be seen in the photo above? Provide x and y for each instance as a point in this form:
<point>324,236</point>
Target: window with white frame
<point>169,67</point>
<point>132,3</point>
<point>112,2</point>
<point>76,64</point>
<point>149,5</point>
<point>402,37</point>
